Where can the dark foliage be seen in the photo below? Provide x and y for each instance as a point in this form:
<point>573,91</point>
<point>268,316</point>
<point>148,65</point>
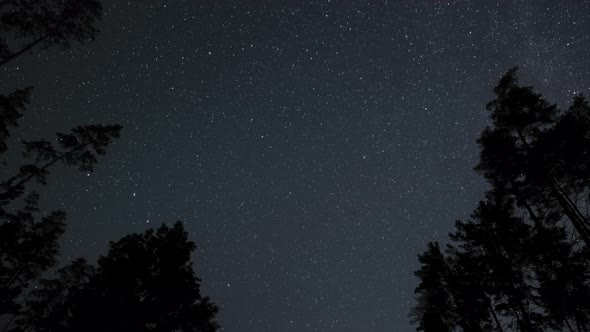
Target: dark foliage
<point>11,110</point>
<point>46,308</point>
<point>26,24</point>
<point>45,23</point>
<point>79,148</point>
<point>435,308</point>
<point>538,154</point>
<point>27,249</point>
<point>518,264</point>
<point>145,283</point>
<point>29,246</point>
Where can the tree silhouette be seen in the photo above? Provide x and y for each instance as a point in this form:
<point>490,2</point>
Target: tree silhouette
<point>539,154</point>
<point>46,308</point>
<point>45,23</point>
<point>26,24</point>
<point>146,282</point>
<point>29,246</point>
<point>503,273</point>
<point>79,148</point>
<point>563,278</point>
<point>491,249</point>
<point>29,237</point>
<point>517,264</point>
<point>27,249</point>
<point>435,310</point>
<point>11,110</point>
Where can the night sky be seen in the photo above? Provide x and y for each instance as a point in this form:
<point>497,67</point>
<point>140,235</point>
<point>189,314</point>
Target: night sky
<point>312,148</point>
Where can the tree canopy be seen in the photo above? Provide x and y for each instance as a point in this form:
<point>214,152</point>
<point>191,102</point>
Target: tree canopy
<point>146,282</point>
<point>522,261</point>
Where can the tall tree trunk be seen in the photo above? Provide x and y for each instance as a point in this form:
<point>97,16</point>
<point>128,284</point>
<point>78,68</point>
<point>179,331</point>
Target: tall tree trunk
<point>576,218</point>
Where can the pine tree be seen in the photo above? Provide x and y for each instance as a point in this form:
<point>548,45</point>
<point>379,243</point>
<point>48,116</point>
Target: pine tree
<point>562,275</point>
<point>492,249</point>
<point>11,110</point>
<point>435,309</point>
<point>29,244</point>
<point>29,237</point>
<point>518,264</point>
<point>45,23</point>
<point>537,153</point>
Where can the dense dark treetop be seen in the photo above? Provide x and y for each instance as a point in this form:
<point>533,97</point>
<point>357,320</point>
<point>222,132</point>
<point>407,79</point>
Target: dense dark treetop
<point>522,261</point>
<point>146,282</point>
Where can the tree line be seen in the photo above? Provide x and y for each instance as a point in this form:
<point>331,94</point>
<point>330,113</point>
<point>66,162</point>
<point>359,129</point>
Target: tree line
<point>521,262</point>
<point>146,281</point>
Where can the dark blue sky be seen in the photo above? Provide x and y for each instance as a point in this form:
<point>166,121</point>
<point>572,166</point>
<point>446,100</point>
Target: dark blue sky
<point>312,148</point>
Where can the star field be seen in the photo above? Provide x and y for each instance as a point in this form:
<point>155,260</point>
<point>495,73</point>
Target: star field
<point>312,148</point>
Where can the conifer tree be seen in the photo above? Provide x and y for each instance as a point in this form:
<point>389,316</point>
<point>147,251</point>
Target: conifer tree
<point>435,310</point>
<point>29,244</point>
<point>518,263</point>
<point>45,23</point>
<point>538,153</point>
<point>29,237</point>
